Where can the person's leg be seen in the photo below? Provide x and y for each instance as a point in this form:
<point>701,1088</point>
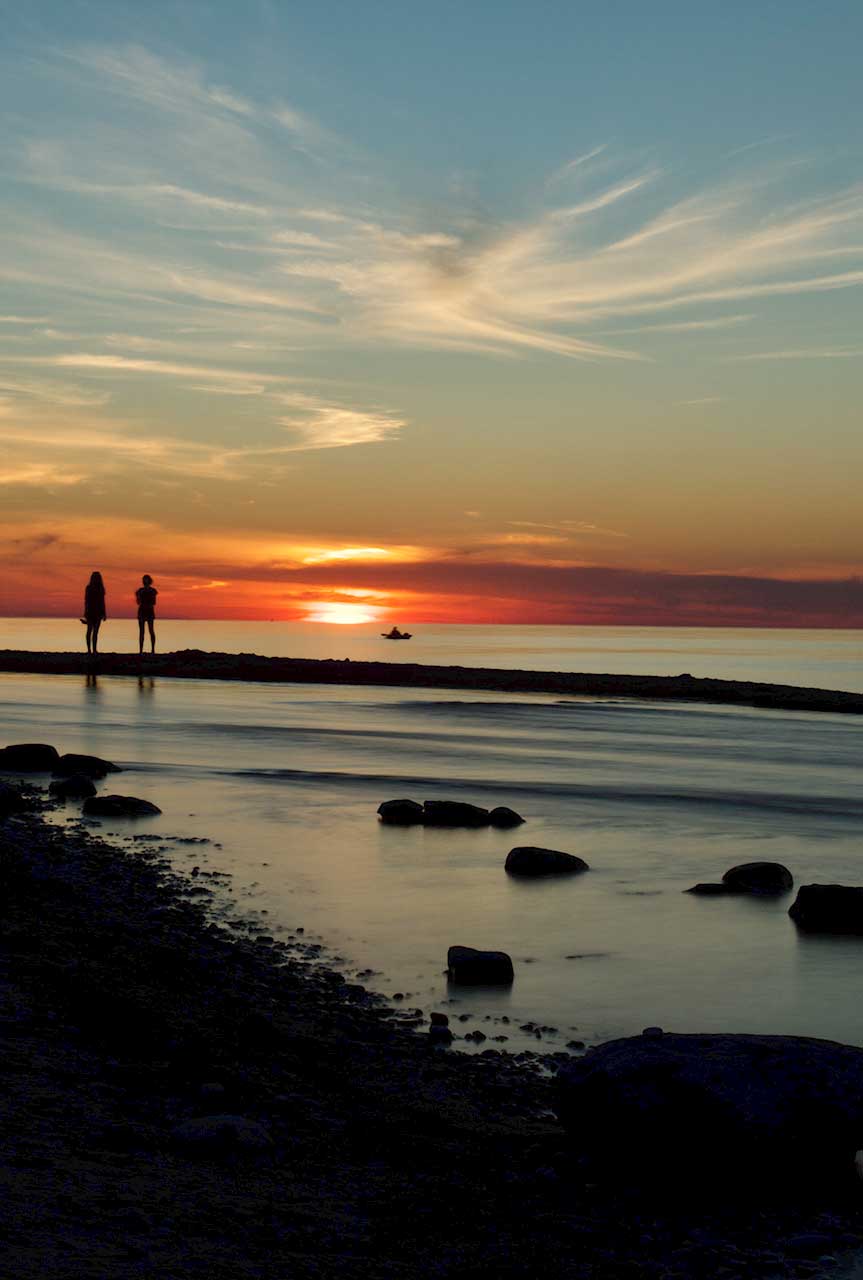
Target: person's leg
<point>140,635</point>
<point>152,636</point>
<point>96,626</point>
<point>89,636</point>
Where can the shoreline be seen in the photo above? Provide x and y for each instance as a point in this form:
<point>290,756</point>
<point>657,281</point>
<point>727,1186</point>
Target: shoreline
<point>195,664</point>
<point>129,1013</point>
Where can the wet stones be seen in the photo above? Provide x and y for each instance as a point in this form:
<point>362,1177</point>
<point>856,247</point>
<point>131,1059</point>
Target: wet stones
<point>120,807</point>
<point>221,1135</point>
<point>763,879</point>
<point>401,813</point>
<point>28,757</point>
<point>72,764</point>
<point>439,1032</point>
<point>527,860</point>
<point>446,813</point>
<point>76,787</point>
<point>828,908</point>
<point>467,966</point>
<point>11,800</point>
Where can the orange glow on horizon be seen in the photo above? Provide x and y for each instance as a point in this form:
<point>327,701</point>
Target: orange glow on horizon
<point>341,614</point>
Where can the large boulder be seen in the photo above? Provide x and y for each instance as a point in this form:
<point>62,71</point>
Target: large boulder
<point>702,1106</point>
<point>454,813</point>
<point>76,787</point>
<point>759,878</point>
<point>401,813</point>
<point>467,966</point>
<point>530,861</point>
<point>828,908</point>
<point>504,817</point>
<point>119,807</point>
<point>28,757</point>
<point>89,766</point>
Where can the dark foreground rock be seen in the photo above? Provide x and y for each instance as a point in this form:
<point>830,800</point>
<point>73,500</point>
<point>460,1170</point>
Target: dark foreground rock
<point>479,968</point>
<point>782,1106</point>
<point>530,861</point>
<point>90,766</point>
<point>76,787</point>
<point>11,800</point>
<point>28,757</point>
<point>828,908</point>
<point>504,817</point>
<point>119,807</point>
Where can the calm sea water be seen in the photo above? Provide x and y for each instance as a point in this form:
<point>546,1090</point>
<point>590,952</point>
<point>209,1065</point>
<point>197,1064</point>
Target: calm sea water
<point>822,659</point>
<point>287,780</point>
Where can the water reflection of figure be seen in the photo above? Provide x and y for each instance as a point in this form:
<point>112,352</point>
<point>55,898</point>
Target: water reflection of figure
<point>146,599</point>
<point>146,684</point>
<point>91,682</point>
<point>94,610</point>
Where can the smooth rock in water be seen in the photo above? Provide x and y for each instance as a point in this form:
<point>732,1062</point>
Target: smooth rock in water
<point>11,800</point>
<point>479,968</point>
<point>709,889</point>
<point>828,908</point>
<point>76,787</point>
<point>28,757</point>
<point>220,1134</point>
<point>759,878</point>
<point>530,861</point>
<point>454,813</point>
<point>90,766</point>
<point>730,1106</point>
<point>401,813</point>
<point>503,817</point>
<point>119,807</point>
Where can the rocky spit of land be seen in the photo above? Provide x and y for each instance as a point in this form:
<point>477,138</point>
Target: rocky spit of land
<point>180,1099</point>
<point>195,664</point>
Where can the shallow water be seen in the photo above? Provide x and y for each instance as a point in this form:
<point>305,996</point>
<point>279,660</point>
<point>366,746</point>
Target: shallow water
<point>287,779</point>
<point>820,659</point>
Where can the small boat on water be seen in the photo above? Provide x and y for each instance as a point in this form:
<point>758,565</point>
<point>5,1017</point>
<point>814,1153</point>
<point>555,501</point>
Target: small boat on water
<point>395,634</point>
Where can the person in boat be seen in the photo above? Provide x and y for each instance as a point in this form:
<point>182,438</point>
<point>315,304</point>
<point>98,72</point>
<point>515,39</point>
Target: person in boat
<point>395,634</point>
<point>94,610</point>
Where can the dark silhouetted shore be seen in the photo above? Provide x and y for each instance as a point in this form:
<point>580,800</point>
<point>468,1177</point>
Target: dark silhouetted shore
<point>195,664</point>
<point>132,1022</point>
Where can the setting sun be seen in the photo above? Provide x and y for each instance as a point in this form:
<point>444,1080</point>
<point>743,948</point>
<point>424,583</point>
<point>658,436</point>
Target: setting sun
<point>342,614</point>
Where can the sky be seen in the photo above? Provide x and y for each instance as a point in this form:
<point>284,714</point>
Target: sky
<point>499,312</point>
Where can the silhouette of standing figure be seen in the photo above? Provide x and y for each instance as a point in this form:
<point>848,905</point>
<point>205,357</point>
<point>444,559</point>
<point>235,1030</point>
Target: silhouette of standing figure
<point>146,598</point>
<point>94,610</point>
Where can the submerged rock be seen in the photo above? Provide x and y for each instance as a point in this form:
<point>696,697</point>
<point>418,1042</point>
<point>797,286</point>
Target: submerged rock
<point>528,860</point>
<point>28,757</point>
<point>479,968</point>
<point>401,813</point>
<point>759,878</point>
<point>504,817</point>
<point>454,813</point>
<point>734,1102</point>
<point>89,766</point>
<point>76,787</point>
<point>828,908</point>
<point>119,807</point>
<point>709,889</point>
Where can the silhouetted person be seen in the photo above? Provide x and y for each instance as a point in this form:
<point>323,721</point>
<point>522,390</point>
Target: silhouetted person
<point>146,598</point>
<point>94,610</point>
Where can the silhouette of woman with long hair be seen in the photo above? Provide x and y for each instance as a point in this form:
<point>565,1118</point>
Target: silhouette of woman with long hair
<point>146,600</point>
<point>94,610</point>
